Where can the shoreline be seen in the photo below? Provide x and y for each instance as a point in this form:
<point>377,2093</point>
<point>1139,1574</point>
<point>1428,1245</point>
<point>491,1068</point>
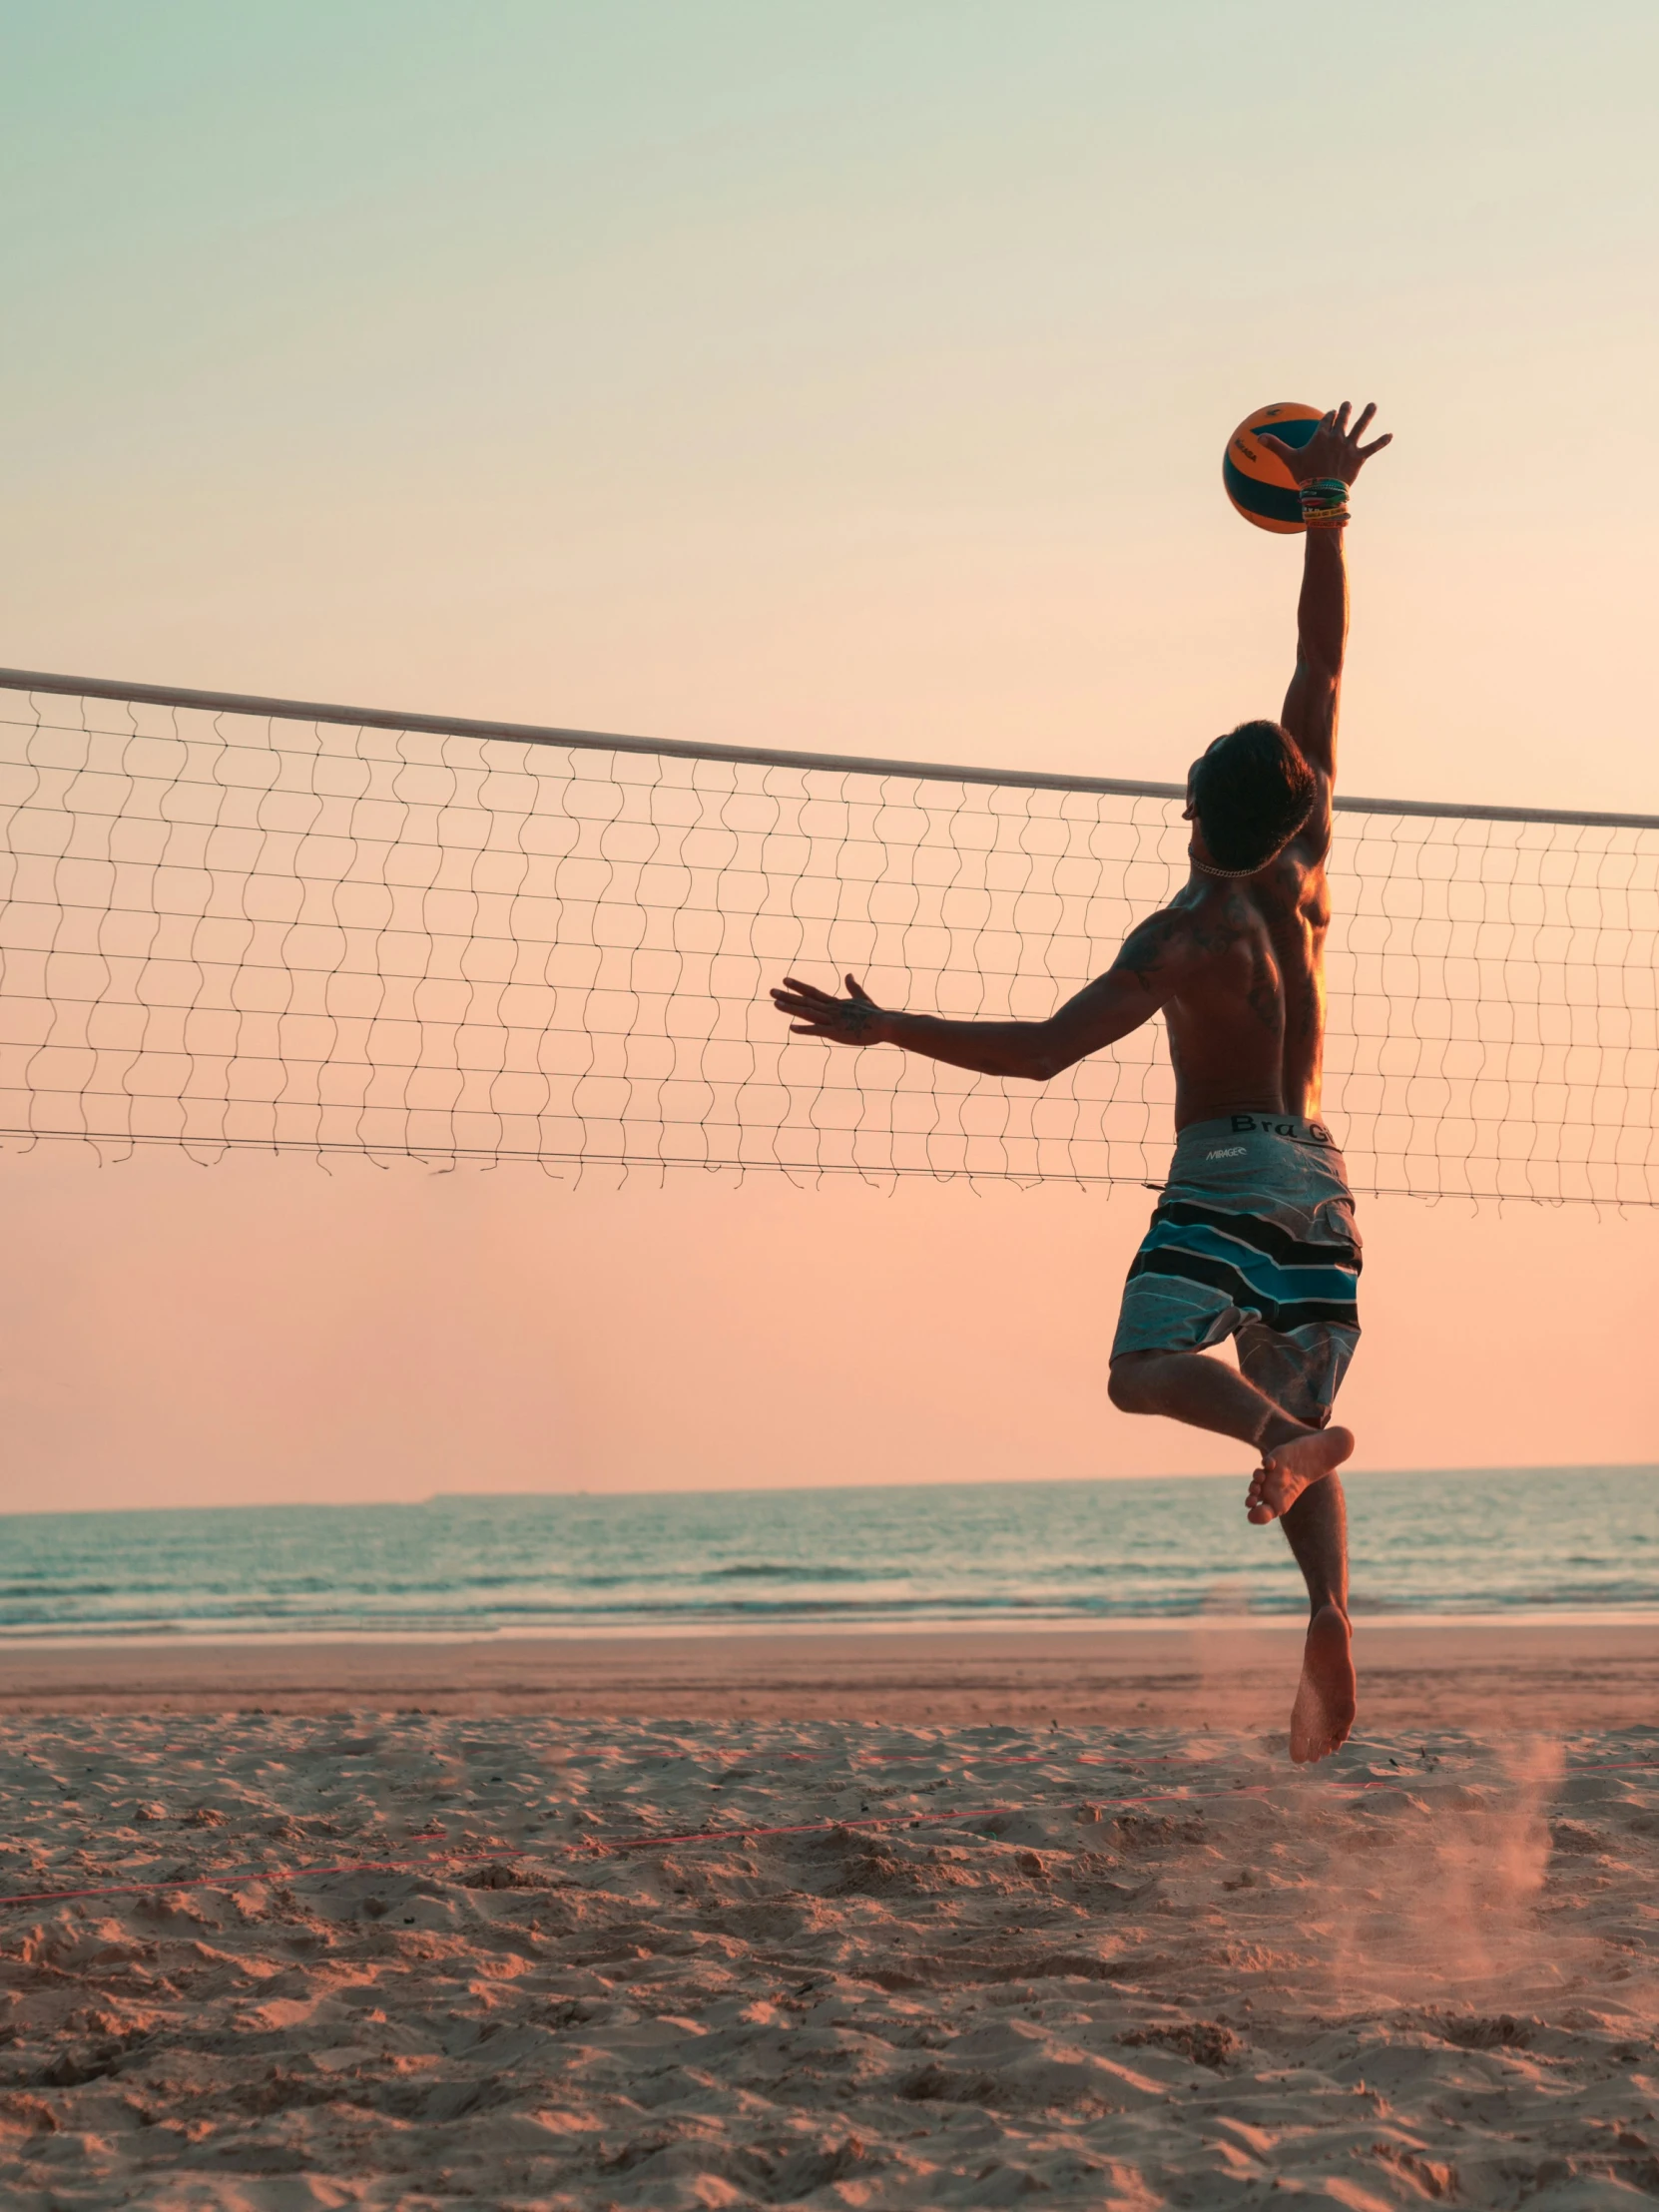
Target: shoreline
<point>173,1638</point>
<point>1210,1672</point>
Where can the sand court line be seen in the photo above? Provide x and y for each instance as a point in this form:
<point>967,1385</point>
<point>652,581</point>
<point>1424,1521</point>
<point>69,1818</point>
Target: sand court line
<point>600,1845</point>
<point>271,1874</point>
<point>593,1847</point>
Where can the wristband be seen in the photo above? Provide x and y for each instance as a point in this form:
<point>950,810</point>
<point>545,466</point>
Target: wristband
<point>1332,489</point>
<point>1324,502</point>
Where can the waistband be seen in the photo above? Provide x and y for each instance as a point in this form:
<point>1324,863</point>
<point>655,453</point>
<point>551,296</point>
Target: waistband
<point>1312,1134</point>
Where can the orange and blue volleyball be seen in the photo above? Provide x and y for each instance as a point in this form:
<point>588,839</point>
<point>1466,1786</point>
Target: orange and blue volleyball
<point>1257,482</point>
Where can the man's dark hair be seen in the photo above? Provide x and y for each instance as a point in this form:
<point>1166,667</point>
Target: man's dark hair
<point>1252,791</point>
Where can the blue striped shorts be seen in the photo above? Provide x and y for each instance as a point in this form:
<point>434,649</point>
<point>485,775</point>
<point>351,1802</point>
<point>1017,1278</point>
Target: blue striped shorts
<point>1253,1238</point>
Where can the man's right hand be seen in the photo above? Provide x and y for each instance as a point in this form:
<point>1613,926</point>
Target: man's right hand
<point>1333,450</point>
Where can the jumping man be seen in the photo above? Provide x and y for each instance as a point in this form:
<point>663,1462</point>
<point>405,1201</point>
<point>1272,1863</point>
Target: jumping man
<point>1253,1236</point>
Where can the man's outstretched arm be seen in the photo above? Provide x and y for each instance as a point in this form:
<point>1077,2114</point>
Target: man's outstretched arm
<point>1311,703</point>
<point>1131,991</point>
<point>1332,452</point>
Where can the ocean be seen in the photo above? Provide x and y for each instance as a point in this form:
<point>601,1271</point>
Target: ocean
<point>1502,1542</point>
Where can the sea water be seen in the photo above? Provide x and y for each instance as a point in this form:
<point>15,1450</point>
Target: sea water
<point>1500,1541</point>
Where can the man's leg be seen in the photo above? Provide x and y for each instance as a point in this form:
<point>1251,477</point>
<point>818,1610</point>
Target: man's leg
<point>1304,1369</point>
<point>1206,1394</point>
<point>1315,1528</point>
<point>1327,1696</point>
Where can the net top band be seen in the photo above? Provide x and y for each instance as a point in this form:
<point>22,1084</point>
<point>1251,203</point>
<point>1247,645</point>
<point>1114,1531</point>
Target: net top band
<point>523,733</point>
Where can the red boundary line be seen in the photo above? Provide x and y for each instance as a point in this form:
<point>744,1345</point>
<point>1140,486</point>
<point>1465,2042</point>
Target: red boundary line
<point>234,1880</point>
<point>612,1844</point>
<point>600,1845</point>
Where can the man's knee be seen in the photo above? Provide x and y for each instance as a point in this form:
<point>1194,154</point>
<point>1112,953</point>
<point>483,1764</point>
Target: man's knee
<point>1129,1381</point>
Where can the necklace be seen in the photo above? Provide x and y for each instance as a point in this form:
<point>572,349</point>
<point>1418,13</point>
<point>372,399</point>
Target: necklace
<point>1233,874</point>
<point>1236,874</point>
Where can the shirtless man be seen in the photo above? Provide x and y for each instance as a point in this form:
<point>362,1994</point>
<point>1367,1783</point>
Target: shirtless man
<point>1254,1235</point>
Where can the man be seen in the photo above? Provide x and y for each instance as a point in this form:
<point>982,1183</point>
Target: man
<point>1254,1235</point>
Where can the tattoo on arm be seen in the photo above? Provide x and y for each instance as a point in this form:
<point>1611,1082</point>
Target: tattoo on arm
<point>1145,947</point>
<point>1220,931</point>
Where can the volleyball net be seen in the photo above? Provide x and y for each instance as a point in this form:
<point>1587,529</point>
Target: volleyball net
<point>235,922</point>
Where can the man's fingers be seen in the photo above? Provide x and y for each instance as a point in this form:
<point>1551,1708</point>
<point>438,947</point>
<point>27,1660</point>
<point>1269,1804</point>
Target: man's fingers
<point>1272,445</point>
<point>1377,445</point>
<point>1364,422</point>
<point>1340,420</point>
<point>807,990</point>
<point>858,990</point>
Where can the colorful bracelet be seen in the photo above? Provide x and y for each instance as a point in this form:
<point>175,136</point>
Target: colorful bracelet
<point>1324,503</point>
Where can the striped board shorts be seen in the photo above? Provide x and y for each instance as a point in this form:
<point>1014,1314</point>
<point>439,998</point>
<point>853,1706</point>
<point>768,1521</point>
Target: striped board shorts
<point>1253,1238</point>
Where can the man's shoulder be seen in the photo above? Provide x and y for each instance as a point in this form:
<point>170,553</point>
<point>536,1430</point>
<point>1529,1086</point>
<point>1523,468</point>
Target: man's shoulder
<point>1161,941</point>
<point>1300,868</point>
<point>1312,843</point>
<point>1203,924</point>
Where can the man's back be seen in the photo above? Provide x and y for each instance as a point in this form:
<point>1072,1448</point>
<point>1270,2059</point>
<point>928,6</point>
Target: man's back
<point>1246,1008</point>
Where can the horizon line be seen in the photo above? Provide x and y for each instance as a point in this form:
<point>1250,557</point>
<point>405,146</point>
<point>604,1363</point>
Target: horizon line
<point>794,1489</point>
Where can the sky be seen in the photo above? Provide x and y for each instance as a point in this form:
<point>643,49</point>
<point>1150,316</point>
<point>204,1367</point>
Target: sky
<point>849,377</point>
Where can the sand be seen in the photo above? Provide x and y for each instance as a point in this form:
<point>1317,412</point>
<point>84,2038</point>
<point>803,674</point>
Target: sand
<point>543,1958</point>
<point>1208,1673</point>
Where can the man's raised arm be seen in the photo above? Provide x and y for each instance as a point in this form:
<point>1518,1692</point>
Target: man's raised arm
<point>1325,467</point>
<point>1131,991</point>
<point>1309,711</point>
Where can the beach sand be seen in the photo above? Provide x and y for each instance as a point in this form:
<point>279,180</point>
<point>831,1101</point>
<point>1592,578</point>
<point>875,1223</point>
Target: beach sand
<point>1231,1673</point>
<point>914,1925</point>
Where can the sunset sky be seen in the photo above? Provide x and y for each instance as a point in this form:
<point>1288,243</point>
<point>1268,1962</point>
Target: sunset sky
<point>849,376</point>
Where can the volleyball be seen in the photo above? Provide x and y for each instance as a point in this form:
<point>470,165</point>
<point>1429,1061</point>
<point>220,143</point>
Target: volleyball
<point>1259,485</point>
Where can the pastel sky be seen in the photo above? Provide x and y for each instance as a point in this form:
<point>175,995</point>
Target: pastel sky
<point>846,375</point>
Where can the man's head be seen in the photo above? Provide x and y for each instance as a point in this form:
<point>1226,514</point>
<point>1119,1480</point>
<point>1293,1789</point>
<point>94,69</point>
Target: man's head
<point>1250,793</point>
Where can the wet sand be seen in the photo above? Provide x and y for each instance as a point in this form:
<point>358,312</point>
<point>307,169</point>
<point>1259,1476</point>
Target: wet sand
<point>1234,1674</point>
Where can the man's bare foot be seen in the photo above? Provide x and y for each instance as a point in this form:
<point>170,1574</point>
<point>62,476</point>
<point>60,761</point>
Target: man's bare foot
<point>1288,1470</point>
<point>1324,1710</point>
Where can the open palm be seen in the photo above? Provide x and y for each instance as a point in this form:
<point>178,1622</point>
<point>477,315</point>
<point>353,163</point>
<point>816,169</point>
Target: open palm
<point>815,1014</point>
<point>1333,450</point>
